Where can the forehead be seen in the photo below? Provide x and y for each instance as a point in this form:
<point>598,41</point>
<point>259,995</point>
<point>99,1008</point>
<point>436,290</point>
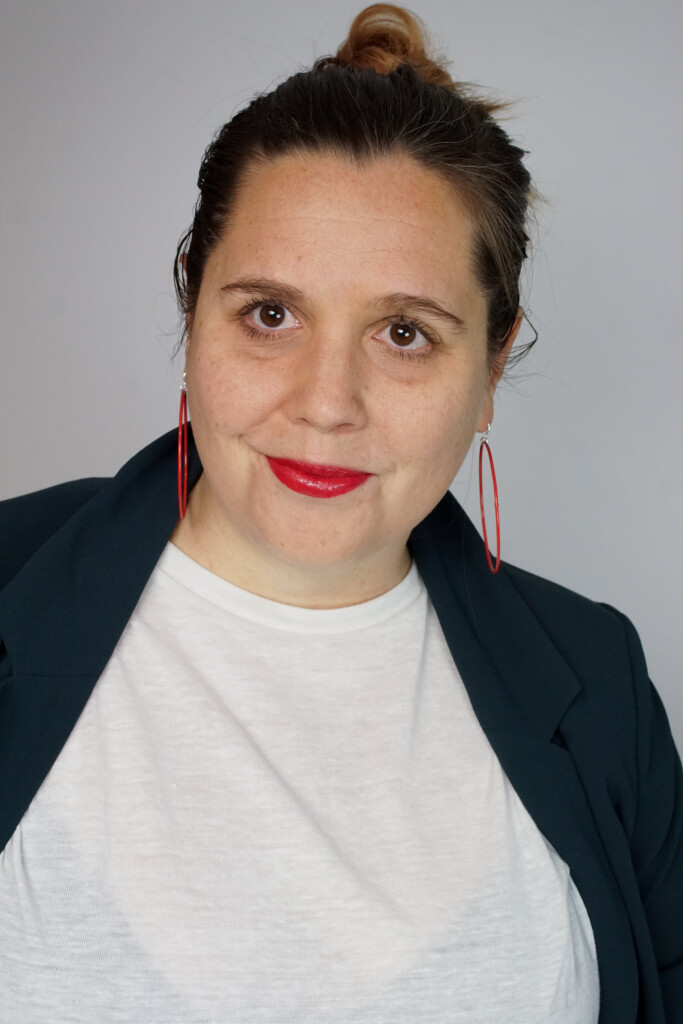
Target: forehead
<point>347,219</point>
<point>386,180</point>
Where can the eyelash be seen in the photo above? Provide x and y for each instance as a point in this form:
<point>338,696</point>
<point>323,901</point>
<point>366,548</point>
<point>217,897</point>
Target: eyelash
<point>414,356</point>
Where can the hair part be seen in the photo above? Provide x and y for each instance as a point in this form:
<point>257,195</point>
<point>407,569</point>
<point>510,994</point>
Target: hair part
<point>383,93</point>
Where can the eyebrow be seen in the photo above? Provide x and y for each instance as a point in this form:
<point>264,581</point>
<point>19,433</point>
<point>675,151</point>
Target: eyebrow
<point>402,300</point>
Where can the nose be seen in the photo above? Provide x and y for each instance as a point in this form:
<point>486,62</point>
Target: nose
<point>327,388</point>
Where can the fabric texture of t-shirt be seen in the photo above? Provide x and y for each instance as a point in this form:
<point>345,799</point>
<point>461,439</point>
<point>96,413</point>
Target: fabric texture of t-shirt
<point>268,814</point>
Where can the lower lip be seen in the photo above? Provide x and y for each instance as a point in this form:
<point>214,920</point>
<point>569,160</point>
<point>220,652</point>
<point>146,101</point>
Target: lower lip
<point>293,475</point>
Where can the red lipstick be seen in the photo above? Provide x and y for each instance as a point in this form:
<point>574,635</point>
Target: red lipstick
<point>316,480</point>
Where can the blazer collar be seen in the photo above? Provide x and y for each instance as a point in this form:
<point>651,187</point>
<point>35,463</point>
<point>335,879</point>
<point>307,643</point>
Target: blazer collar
<point>79,590</point>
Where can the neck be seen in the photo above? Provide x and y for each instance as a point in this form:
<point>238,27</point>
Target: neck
<point>234,557</point>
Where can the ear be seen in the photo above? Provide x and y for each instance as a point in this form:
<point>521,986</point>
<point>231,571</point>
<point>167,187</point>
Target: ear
<point>497,372</point>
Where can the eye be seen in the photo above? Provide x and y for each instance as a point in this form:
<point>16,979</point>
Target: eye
<point>408,336</point>
<point>267,316</point>
<point>405,338</point>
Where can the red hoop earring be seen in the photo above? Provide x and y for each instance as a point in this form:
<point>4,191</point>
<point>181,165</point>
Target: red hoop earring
<point>182,450</point>
<point>485,444</point>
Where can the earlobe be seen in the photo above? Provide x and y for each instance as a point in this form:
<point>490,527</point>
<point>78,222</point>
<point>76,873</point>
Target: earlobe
<point>486,417</point>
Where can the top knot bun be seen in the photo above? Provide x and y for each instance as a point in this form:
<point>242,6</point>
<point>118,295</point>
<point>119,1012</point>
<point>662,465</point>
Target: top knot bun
<point>383,36</point>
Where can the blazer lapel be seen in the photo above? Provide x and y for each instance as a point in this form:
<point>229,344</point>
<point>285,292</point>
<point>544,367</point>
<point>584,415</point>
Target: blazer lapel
<point>520,688</point>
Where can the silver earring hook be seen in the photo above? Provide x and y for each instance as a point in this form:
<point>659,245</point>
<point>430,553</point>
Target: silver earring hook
<point>485,435</point>
<point>183,386</point>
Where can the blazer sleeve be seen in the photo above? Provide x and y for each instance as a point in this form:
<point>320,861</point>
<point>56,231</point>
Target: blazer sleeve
<point>657,836</point>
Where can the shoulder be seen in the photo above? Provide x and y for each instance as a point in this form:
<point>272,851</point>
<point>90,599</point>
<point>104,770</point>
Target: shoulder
<point>573,620</point>
<point>516,612</point>
<point>598,642</point>
<point>29,520</point>
<point>603,650</point>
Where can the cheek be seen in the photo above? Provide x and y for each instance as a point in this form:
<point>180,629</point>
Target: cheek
<point>435,434</point>
<point>445,417</point>
<point>230,395</point>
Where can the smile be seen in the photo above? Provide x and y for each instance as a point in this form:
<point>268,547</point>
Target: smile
<point>314,480</point>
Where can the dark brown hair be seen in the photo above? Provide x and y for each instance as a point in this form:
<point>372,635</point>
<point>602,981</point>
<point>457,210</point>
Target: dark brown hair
<point>381,94</point>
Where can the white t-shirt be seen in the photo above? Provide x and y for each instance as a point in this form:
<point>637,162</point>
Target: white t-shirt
<point>276,814</point>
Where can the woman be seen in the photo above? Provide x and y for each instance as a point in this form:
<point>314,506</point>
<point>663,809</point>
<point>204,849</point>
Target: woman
<point>296,746</point>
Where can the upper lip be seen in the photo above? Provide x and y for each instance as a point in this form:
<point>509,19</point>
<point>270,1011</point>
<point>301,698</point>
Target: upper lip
<point>320,468</point>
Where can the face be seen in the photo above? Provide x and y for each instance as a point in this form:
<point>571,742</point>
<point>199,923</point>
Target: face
<point>338,324</point>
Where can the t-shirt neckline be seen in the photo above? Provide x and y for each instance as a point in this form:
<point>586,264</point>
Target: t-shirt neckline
<point>206,585</point>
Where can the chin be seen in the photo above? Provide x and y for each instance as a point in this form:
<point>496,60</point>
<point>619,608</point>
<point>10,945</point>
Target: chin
<point>318,549</point>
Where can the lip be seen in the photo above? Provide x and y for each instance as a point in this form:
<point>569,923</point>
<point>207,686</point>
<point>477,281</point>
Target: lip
<point>316,480</point>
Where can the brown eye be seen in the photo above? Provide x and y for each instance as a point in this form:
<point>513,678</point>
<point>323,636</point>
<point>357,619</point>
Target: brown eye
<point>402,334</point>
<point>409,337</point>
<point>266,317</point>
<point>271,315</point>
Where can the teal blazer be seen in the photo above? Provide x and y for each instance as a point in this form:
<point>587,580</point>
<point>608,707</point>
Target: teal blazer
<point>558,684</point>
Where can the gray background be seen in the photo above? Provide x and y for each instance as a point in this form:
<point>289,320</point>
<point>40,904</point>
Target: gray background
<point>106,110</point>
